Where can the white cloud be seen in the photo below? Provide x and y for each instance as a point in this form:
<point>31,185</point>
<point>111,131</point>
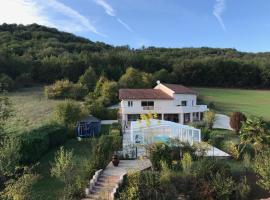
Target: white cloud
<point>35,11</point>
<point>219,8</point>
<point>110,11</point>
<point>107,7</point>
<point>124,24</point>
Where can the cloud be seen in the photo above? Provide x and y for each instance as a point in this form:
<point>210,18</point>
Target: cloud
<point>124,24</point>
<point>107,7</point>
<point>219,8</point>
<point>110,11</point>
<point>43,12</point>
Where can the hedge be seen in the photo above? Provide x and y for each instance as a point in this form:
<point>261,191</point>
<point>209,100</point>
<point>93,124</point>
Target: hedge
<point>37,142</point>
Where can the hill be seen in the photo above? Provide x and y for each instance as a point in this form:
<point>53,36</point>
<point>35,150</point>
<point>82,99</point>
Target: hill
<point>46,54</point>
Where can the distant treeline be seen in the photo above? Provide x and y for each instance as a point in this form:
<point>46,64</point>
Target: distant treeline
<point>46,54</point>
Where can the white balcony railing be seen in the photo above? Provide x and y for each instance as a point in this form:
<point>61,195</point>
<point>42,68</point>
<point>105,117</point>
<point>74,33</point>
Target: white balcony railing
<point>148,108</point>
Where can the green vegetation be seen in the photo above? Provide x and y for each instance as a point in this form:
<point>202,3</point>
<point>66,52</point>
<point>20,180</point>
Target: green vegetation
<point>32,108</point>
<point>249,102</point>
<point>49,55</point>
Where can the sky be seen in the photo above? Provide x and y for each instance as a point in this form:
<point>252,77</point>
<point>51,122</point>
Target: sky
<point>240,24</point>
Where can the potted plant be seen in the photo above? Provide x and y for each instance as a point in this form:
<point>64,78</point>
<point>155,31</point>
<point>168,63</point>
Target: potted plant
<point>115,160</point>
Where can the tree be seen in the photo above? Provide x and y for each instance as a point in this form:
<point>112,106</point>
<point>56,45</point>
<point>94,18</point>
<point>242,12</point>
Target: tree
<point>68,113</point>
<point>236,121</point>
<point>89,79</point>
<point>254,132</point>
<point>262,169</point>
<point>134,78</point>
<point>209,118</point>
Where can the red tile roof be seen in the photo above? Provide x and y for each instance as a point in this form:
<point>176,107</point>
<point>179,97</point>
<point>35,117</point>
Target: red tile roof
<point>179,89</point>
<point>143,94</point>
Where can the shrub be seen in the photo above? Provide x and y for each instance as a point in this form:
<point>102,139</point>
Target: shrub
<point>6,83</point>
<point>209,118</point>
<point>65,89</point>
<point>35,143</point>
<point>20,189</point>
<point>206,167</point>
<point>234,151</point>
<point>159,152</point>
<point>24,80</point>
<point>63,166</point>
<point>205,134</point>
<point>262,169</point>
<point>186,163</point>
<point>243,189</point>
<point>68,113</point>
<point>9,156</point>
<point>236,120</point>
<point>223,186</point>
<point>145,185</point>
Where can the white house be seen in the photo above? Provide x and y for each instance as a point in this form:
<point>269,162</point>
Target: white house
<point>170,102</point>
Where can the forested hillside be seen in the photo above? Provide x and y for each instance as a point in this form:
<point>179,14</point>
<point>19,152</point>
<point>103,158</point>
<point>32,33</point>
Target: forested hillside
<point>45,54</point>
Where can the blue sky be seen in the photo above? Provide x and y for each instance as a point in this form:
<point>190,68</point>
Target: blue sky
<point>240,24</point>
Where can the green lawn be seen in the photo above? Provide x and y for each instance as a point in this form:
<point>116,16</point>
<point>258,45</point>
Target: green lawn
<point>31,109</point>
<point>50,188</point>
<point>251,102</point>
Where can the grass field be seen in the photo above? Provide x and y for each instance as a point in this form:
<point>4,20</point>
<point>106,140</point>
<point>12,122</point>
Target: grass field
<point>31,109</point>
<point>250,102</point>
<point>50,188</point>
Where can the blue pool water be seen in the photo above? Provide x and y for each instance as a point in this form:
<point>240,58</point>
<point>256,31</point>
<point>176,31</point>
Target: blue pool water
<point>161,138</point>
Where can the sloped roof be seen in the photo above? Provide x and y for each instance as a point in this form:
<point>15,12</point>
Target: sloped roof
<point>89,118</point>
<point>143,94</point>
<point>179,89</point>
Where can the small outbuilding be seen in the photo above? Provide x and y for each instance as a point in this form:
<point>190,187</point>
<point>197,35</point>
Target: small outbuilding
<point>88,127</point>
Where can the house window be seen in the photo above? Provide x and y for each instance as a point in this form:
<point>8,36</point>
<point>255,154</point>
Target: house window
<point>130,103</point>
<point>183,103</point>
<point>147,105</point>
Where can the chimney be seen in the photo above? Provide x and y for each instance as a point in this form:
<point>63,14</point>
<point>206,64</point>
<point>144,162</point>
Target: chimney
<point>158,82</point>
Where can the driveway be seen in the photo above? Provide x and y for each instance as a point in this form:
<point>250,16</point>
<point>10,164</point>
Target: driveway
<point>222,122</point>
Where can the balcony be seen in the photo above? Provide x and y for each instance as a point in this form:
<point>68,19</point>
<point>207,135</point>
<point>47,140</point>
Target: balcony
<point>148,107</point>
<point>163,109</point>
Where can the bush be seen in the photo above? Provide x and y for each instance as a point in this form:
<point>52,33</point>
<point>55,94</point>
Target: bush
<point>223,187</point>
<point>24,80</point>
<point>145,185</point>
<point>243,189</point>
<point>20,189</point>
<point>206,167</point>
<point>68,113</point>
<point>236,120</point>
<point>186,163</point>
<point>9,156</point>
<point>37,142</point>
<point>209,118</point>
<point>6,83</point>
<point>262,169</point>
<point>98,110</point>
<point>159,152</point>
<point>65,89</point>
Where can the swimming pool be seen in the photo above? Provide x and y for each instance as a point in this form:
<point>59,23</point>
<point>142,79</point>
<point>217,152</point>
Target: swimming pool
<point>161,138</point>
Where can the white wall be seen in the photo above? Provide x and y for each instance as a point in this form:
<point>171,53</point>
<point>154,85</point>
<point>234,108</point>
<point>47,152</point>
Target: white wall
<point>185,97</point>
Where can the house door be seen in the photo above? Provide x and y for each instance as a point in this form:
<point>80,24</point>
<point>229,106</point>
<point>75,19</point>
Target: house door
<point>186,118</point>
